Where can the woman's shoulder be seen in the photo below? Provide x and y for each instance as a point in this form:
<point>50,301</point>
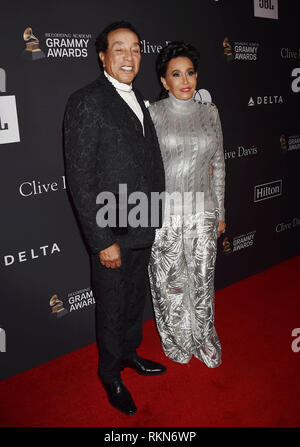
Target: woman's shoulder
<point>209,107</point>
<point>155,108</point>
<point>208,104</point>
<point>156,105</point>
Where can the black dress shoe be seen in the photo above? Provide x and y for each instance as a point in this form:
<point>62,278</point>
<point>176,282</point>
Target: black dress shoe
<point>119,396</point>
<point>143,366</point>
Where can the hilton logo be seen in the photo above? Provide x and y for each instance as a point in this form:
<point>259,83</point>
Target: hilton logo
<point>267,190</point>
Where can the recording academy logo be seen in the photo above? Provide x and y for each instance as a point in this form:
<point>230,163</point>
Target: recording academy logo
<point>265,100</point>
<point>238,242</point>
<point>240,152</point>
<point>32,51</point>
<point>57,308</point>
<point>2,81</point>
<point>9,127</point>
<point>296,82</point>
<point>289,143</point>
<point>2,340</point>
<point>284,226</point>
<point>80,299</point>
<point>58,45</point>
<point>76,300</point>
<point>67,45</point>
<point>267,190</point>
<point>266,8</point>
<point>31,254</point>
<point>240,51</point>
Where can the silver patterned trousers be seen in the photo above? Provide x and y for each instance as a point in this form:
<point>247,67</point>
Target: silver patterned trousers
<point>181,272</point>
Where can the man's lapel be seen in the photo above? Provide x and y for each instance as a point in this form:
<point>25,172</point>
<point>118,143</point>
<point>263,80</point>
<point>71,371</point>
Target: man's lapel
<point>126,117</point>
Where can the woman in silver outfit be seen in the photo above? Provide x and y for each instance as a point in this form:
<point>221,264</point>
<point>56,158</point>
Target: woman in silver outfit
<point>183,256</point>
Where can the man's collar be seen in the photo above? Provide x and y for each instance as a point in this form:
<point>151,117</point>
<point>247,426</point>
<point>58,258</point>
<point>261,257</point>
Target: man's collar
<point>118,85</point>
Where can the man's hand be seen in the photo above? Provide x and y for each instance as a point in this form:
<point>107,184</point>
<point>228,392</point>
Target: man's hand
<point>222,226</point>
<point>110,257</point>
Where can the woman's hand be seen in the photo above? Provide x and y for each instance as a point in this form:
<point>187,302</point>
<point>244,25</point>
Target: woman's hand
<point>222,226</point>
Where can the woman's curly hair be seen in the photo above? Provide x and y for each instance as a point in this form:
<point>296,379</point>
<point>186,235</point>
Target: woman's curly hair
<point>171,51</point>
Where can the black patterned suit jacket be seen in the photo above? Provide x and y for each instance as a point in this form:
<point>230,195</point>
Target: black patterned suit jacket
<point>104,147</point>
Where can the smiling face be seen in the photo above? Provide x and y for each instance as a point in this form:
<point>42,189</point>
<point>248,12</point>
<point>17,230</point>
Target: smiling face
<point>123,55</point>
<point>181,78</point>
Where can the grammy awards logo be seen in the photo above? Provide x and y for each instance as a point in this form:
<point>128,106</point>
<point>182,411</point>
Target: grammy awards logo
<point>283,143</point>
<point>57,308</point>
<point>289,143</point>
<point>227,50</point>
<point>32,51</point>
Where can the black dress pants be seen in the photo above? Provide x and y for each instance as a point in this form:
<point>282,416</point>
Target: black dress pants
<point>120,297</point>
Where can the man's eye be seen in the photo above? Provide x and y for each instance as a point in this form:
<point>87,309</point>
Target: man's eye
<point>191,73</point>
<point>176,75</point>
<point>118,49</point>
<point>136,51</point>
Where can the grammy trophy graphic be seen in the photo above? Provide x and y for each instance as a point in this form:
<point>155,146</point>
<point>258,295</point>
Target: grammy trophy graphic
<point>32,51</point>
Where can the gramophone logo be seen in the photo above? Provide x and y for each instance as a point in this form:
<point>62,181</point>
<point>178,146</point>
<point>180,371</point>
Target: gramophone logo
<point>226,246</point>
<point>227,50</point>
<point>57,308</point>
<point>32,51</point>
<point>283,143</point>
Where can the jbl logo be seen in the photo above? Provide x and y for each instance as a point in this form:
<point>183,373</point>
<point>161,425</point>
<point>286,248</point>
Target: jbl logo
<point>2,340</point>
<point>266,8</point>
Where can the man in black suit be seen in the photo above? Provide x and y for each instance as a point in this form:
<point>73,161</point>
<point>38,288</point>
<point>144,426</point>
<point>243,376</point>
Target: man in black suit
<point>110,141</point>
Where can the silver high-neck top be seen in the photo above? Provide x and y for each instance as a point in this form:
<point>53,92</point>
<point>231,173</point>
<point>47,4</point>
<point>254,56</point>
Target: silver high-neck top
<point>191,142</point>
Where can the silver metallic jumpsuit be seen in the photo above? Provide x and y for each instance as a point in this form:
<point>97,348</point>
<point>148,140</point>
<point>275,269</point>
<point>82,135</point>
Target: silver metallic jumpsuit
<point>183,256</point>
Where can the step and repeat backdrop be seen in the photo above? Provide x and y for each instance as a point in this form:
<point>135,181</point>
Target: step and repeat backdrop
<point>250,68</point>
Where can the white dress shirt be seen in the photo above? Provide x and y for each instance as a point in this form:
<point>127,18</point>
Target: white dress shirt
<point>126,92</point>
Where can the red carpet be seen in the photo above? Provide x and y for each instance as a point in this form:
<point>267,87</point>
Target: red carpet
<point>257,384</point>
